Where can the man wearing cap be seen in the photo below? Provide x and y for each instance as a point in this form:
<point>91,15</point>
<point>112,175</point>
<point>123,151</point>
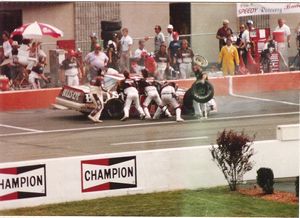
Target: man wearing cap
<point>158,39</point>
<point>70,69</point>
<point>96,60</point>
<point>283,47</point>
<point>126,43</point>
<point>223,33</point>
<point>170,34</point>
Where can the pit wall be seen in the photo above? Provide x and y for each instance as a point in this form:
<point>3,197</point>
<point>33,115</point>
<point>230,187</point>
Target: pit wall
<point>69,179</point>
<point>39,99</point>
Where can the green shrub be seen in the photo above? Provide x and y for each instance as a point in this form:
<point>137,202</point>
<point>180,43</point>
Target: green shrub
<point>265,179</point>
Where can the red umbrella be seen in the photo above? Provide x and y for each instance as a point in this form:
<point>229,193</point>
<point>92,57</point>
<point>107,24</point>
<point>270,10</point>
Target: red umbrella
<point>37,30</point>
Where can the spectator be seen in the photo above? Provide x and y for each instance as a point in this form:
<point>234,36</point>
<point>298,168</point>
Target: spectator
<point>283,47</point>
<point>126,43</point>
<point>229,57</point>
<point>223,33</point>
<point>185,57</point>
<point>70,69</point>
<point>158,39</point>
<point>173,48</point>
<point>37,73</point>
<point>96,60</point>
<point>170,34</point>
<point>35,53</point>
<point>242,42</point>
<point>113,53</point>
<point>162,60</point>
<point>94,41</point>
<point>140,55</point>
<point>7,51</point>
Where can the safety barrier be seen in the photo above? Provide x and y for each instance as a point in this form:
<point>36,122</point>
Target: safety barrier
<point>35,99</point>
<point>36,182</point>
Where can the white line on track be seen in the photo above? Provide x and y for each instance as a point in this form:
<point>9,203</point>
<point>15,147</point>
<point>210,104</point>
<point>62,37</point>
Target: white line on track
<point>20,128</point>
<point>145,124</point>
<point>264,99</point>
<point>161,140</point>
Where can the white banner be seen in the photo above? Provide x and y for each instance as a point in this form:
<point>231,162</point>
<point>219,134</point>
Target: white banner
<point>250,9</point>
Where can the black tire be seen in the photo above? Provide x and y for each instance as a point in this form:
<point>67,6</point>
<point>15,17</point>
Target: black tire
<point>108,35</point>
<point>202,92</point>
<point>111,25</point>
<point>188,102</point>
<point>114,108</point>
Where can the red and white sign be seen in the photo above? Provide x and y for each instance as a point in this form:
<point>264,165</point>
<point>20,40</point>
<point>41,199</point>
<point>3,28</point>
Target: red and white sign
<point>107,174</point>
<point>250,9</point>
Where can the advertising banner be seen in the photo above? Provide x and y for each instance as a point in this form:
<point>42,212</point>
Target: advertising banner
<point>22,182</point>
<point>250,9</point>
<point>107,174</point>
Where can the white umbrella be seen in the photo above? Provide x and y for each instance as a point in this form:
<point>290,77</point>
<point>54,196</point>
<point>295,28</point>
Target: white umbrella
<point>37,30</point>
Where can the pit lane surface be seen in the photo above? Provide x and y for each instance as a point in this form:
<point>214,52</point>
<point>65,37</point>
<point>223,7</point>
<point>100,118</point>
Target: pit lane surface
<point>39,134</point>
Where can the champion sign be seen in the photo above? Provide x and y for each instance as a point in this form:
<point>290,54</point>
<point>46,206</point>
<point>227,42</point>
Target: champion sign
<point>22,182</point>
<point>107,174</point>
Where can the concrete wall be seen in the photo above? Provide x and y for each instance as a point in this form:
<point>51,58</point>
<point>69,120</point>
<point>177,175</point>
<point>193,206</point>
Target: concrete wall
<point>69,179</point>
<point>141,17</point>
<point>206,19</point>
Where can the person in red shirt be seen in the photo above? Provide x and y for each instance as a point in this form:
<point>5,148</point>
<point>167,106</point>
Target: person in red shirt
<point>223,33</point>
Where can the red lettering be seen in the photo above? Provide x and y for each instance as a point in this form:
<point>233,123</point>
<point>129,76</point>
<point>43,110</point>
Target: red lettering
<point>247,10</point>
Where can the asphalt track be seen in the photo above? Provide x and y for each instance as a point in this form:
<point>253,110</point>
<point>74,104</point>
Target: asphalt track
<point>40,134</point>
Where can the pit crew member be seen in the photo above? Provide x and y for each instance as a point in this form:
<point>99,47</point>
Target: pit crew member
<point>185,57</point>
<point>70,69</point>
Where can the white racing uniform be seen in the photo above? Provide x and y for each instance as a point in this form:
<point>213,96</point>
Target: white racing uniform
<point>97,98</point>
<point>168,97</point>
<point>202,109</point>
<point>132,96</point>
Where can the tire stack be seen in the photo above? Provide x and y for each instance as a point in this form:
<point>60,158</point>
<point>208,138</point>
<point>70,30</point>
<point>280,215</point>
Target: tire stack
<point>109,29</point>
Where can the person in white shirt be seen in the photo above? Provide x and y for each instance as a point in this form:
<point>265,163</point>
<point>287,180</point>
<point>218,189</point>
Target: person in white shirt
<point>170,34</point>
<point>126,43</point>
<point>140,55</point>
<point>158,39</point>
<point>283,47</point>
<point>96,60</point>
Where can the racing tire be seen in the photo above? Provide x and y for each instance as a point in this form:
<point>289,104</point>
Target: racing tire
<point>114,108</point>
<point>202,92</point>
<point>111,25</point>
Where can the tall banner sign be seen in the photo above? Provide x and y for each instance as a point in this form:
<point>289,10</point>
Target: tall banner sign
<point>250,9</point>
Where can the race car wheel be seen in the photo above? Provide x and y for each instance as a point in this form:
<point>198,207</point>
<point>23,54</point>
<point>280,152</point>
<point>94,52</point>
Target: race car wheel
<point>202,92</point>
<point>111,25</point>
<point>114,108</point>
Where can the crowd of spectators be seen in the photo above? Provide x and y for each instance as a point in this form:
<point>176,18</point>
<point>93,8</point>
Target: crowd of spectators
<point>171,59</point>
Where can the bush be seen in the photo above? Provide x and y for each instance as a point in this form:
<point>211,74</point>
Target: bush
<point>265,179</point>
<point>232,155</point>
<point>297,186</point>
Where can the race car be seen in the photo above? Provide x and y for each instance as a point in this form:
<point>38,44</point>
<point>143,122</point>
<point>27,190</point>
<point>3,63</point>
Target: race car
<point>78,97</point>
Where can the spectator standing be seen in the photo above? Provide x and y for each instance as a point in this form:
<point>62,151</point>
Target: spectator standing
<point>185,57</point>
<point>241,43</point>
<point>140,55</point>
<point>158,39</point>
<point>229,57</point>
<point>283,47</point>
<point>7,51</point>
<point>37,73</point>
<point>96,60</point>
<point>94,41</point>
<point>223,33</point>
<point>126,44</point>
<point>170,34</point>
<point>173,48</point>
<point>70,69</point>
<point>113,53</point>
<point>163,62</point>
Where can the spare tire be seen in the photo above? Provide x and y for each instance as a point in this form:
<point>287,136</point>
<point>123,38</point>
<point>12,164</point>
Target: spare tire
<point>111,25</point>
<point>202,92</point>
<point>114,108</point>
